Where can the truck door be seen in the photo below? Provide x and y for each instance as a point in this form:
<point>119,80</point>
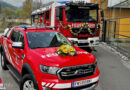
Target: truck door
<point>59,18</point>
<point>10,49</point>
<point>19,53</point>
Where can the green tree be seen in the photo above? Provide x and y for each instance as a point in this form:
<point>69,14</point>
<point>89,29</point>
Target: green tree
<point>27,9</point>
<point>36,5</point>
<point>8,12</point>
<point>19,13</point>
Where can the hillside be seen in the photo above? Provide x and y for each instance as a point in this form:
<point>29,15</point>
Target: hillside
<point>4,4</point>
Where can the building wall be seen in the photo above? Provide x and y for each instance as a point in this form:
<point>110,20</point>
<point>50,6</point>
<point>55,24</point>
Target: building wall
<point>124,27</point>
<point>117,21</point>
<point>120,16</point>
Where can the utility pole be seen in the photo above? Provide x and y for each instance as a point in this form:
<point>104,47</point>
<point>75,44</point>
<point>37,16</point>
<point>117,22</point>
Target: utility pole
<point>40,3</point>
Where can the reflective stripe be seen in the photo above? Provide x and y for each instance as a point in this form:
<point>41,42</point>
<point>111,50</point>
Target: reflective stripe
<point>51,85</point>
<point>63,85</point>
<point>43,83</point>
<point>47,84</point>
<point>66,85</point>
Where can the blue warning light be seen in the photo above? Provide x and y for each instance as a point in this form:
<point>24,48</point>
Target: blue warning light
<point>63,2</point>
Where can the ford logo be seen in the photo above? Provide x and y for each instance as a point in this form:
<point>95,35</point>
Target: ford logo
<point>81,71</point>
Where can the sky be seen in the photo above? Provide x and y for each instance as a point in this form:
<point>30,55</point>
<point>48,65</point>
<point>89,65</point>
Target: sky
<point>18,3</point>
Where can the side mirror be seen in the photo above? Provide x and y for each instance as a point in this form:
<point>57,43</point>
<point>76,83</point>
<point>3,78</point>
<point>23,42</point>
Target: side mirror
<point>18,45</point>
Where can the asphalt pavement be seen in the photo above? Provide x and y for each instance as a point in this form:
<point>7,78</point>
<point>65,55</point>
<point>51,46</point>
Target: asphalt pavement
<point>114,75</point>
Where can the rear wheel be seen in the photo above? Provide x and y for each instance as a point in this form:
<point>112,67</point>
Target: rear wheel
<point>3,61</point>
<point>28,83</point>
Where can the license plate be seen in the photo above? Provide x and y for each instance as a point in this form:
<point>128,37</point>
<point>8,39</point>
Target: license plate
<point>83,41</point>
<point>81,83</point>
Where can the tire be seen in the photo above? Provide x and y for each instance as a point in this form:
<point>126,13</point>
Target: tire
<point>28,78</point>
<point>3,61</point>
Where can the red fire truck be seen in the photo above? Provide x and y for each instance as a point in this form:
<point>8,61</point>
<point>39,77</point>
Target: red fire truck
<point>78,21</point>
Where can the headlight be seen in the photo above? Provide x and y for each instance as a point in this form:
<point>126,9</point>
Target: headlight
<point>49,70</point>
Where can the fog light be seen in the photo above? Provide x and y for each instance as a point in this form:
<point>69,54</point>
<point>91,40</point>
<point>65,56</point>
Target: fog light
<point>91,41</point>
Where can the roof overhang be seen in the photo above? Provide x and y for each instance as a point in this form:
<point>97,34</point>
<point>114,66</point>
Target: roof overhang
<point>118,3</point>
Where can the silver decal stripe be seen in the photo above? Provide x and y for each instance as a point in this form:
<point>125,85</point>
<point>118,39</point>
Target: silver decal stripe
<point>7,52</point>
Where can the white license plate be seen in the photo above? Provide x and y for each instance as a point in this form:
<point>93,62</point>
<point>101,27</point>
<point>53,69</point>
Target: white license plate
<point>81,83</point>
<point>83,41</point>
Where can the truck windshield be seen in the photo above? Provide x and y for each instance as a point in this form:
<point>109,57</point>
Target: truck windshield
<point>79,14</point>
<point>46,39</point>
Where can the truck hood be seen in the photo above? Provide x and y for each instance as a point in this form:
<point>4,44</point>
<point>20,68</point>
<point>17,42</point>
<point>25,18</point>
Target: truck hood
<point>48,57</point>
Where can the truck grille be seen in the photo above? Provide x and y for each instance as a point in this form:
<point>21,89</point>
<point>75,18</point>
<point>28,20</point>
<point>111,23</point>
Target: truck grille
<point>84,31</point>
<point>74,72</point>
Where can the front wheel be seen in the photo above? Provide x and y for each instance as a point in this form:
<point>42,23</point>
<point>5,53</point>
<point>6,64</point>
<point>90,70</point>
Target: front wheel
<point>28,83</point>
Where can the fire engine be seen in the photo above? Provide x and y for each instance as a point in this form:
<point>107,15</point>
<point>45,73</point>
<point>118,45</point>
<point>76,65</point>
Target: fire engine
<point>78,21</point>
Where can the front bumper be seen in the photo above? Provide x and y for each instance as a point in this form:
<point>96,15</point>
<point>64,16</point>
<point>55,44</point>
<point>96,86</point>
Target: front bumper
<point>52,82</point>
<point>91,85</point>
<point>86,42</point>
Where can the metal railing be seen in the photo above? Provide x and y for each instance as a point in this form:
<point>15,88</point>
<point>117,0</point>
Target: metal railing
<point>117,36</point>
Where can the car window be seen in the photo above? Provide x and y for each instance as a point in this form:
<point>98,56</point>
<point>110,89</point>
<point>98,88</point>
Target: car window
<point>14,36</point>
<point>21,37</point>
<point>46,39</point>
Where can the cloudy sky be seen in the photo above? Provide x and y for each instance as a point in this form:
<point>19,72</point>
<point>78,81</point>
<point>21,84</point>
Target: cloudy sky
<point>18,3</point>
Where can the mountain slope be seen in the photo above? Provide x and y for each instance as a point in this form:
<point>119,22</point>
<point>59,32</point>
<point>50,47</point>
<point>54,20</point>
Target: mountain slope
<point>4,4</point>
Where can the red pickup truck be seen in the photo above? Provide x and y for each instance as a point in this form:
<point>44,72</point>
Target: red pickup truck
<point>31,56</point>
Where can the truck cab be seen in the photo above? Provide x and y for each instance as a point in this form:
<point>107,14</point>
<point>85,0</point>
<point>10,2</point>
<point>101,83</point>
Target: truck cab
<point>78,21</point>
